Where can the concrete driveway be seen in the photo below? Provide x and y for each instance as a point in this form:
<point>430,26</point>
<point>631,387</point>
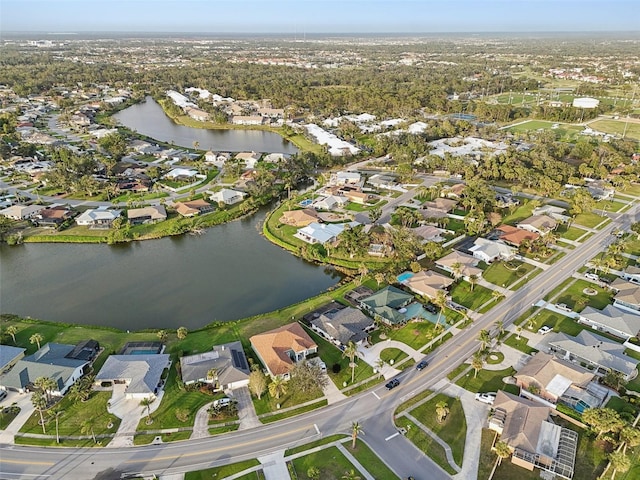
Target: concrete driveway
<point>23,400</point>
<point>371,355</point>
<point>130,412</point>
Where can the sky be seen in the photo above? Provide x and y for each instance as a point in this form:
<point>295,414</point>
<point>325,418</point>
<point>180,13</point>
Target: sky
<point>318,16</point>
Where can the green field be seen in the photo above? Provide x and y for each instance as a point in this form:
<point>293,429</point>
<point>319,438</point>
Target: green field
<point>617,127</point>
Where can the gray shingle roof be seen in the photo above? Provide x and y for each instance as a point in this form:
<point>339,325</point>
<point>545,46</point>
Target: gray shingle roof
<point>142,372</point>
<point>228,360</point>
<point>8,353</point>
<point>344,325</point>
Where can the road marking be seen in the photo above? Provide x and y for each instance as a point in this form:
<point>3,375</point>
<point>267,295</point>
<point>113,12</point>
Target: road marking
<point>221,449</point>
<point>22,475</point>
<point>392,436</point>
<point>30,462</point>
<point>317,429</point>
<point>376,395</point>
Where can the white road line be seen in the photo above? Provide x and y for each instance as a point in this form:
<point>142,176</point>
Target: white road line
<point>317,429</point>
<point>376,395</point>
<point>391,436</point>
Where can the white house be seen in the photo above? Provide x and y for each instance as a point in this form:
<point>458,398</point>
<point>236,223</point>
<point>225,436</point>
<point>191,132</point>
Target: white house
<point>330,202</point>
<point>585,102</point>
<point>140,373</point>
<point>489,251</point>
<point>98,217</point>
<point>228,196</point>
<point>249,158</point>
<point>618,322</point>
<point>182,173</point>
<point>321,232</point>
<point>22,212</point>
<point>227,360</point>
<point>345,178</point>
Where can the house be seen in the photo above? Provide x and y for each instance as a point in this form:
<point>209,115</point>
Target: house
<point>387,304</point>
<point>539,224</point>
<point>21,212</point>
<point>152,214</point>
<point>98,217</point>
<point>618,322</point>
<point>322,232</point>
<point>53,216</point>
<point>428,283</point>
<point>557,213</point>
<point>329,203</point>
<point>182,174</point>
<point>596,352</point>
<point>344,325</point>
<point>217,159</point>
<point>429,233</point>
<point>142,373</point>
<point>229,362</point>
<point>453,191</point>
<point>555,380</point>
<point>193,207</point>
<point>443,204</point>
<point>197,114</point>
<point>431,215</point>
<point>458,263</point>
<point>9,356</point>
<point>63,363</point>
<point>345,178</point>
<point>299,218</point>
<point>227,196</point>
<point>489,251</point>
<point>275,158</point>
<point>248,158</point>
<point>280,349</point>
<point>631,274</point>
<point>247,119</point>
<point>515,236</point>
<point>506,200</point>
<point>360,198</point>
<point>534,440</point>
<point>382,181</point>
<point>627,296</point>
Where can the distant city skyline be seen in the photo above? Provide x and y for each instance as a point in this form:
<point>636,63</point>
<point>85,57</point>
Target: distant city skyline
<point>318,16</point>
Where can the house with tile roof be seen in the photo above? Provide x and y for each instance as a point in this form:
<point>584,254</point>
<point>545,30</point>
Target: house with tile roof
<point>515,236</point>
<point>428,283</point>
<point>299,218</point>
<point>594,351</point>
<point>229,362</point>
<point>280,349</point>
<point>140,373</point>
<point>341,326</point>
<point>466,262</point>
<point>621,323</point>
<point>151,214</point>
<point>193,207</point>
<point>534,440</point>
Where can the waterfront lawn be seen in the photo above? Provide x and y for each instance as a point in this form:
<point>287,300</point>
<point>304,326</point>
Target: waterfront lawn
<point>453,429</point>
<point>487,381</point>
<point>577,300</point>
<point>74,414</point>
<point>73,234</point>
<point>221,472</point>
<point>499,274</point>
<point>472,297</point>
<point>424,442</point>
<point>330,461</point>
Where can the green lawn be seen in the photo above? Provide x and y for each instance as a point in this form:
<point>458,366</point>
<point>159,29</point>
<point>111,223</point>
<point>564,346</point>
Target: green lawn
<point>425,443</point>
<point>572,233</point>
<point>487,457</point>
<point>577,300</point>
<point>292,413</point>
<point>221,472</point>
<point>7,414</point>
<point>310,445</point>
<point>632,245</point>
<point>453,430</point>
<point>394,354</point>
<point>372,462</point>
<point>463,294</point>
<point>589,220</point>
<point>519,344</point>
<point>617,127</point>
<point>520,213</point>
<point>330,461</point>
<point>486,381</point>
<point>506,273</point>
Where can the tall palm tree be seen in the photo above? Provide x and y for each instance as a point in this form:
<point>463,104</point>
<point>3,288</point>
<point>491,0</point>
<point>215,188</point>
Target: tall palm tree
<point>277,387</point>
<point>379,364</point>
<point>502,450</point>
<point>212,375</point>
<point>619,462</point>
<point>46,385</point>
<point>473,280</point>
<point>351,351</point>
<point>146,403</point>
<point>442,410</point>
<point>485,339</point>
<point>56,413</point>
<point>477,362</point>
<point>12,330</point>
<point>36,338</point>
<point>440,300</point>
<point>356,429</point>
<point>500,325</point>
<point>630,436</point>
<point>86,427</point>
<point>456,269</point>
<point>40,403</point>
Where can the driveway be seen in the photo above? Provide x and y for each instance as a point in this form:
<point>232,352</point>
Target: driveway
<point>246,410</point>
<point>130,412</point>
<point>371,355</point>
<point>23,400</point>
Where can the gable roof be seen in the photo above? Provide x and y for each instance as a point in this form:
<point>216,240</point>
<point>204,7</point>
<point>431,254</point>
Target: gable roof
<point>344,325</point>
<point>539,222</point>
<point>299,218</point>
<point>428,283</point>
<point>8,353</point>
<point>143,372</point>
<point>491,248</point>
<point>615,318</point>
<point>467,261</point>
<point>273,346</point>
<point>516,236</point>
<point>227,359</point>
<point>155,212</point>
<point>428,232</point>
<point>553,374</point>
<point>627,292</point>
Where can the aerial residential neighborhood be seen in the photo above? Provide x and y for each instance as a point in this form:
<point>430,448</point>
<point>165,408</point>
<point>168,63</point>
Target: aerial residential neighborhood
<point>319,255</point>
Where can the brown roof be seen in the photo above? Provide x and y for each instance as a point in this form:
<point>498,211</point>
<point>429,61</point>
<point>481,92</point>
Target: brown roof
<point>515,236</point>
<point>299,218</point>
<point>444,204</point>
<point>544,368</point>
<point>627,292</point>
<point>467,261</point>
<point>540,222</point>
<point>54,212</point>
<point>272,346</point>
<point>428,283</point>
<point>192,207</point>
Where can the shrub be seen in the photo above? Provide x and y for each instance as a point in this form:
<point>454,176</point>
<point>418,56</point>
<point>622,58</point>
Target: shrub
<point>336,368</point>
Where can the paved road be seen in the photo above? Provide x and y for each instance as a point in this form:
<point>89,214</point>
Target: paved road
<point>374,409</point>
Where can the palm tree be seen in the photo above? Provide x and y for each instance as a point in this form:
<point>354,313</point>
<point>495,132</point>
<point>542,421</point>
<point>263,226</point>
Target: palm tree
<point>500,325</point>
<point>440,300</point>
<point>313,473</point>
<point>146,403</point>
<point>36,338</point>
<point>162,335</point>
<point>351,351</point>
<point>356,429</point>
<point>379,364</point>
<point>212,375</point>
<point>379,276</point>
<point>477,362</point>
<point>56,414</point>
<point>485,339</point>
<point>82,388</point>
<point>496,295</point>
<point>40,403</point>
<point>619,462</point>
<point>519,331</point>
<point>351,475</point>
<point>86,427</point>
<point>456,269</point>
<point>12,330</point>
<point>502,450</point>
<point>630,436</point>
<point>442,410</point>
<point>46,385</point>
<point>277,387</point>
<point>363,271</point>
<point>181,333</point>
<point>473,280</point>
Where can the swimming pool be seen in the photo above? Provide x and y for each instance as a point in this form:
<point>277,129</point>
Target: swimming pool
<point>306,203</point>
<point>404,276</point>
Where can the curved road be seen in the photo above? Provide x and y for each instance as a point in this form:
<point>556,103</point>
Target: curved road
<point>373,409</point>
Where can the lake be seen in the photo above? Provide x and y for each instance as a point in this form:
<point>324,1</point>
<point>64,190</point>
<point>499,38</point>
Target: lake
<point>227,273</point>
<point>148,118</point>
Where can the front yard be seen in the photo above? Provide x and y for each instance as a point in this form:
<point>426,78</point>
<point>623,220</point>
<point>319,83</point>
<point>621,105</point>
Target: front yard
<point>471,296</point>
<point>506,273</point>
<point>575,298</point>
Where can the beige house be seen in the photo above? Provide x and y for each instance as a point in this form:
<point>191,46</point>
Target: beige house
<point>193,208</point>
<point>539,224</point>
<point>299,218</point>
<point>153,214</point>
<point>280,349</point>
<point>466,264</point>
<point>428,283</point>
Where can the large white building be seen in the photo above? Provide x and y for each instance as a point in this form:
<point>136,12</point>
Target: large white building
<point>586,102</point>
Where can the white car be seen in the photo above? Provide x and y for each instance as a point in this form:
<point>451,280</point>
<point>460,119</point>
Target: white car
<point>563,306</point>
<point>487,398</point>
<point>592,276</point>
<point>544,330</point>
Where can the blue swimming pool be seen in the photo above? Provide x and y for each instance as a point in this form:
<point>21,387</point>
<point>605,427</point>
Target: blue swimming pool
<point>404,276</point>
<point>306,203</point>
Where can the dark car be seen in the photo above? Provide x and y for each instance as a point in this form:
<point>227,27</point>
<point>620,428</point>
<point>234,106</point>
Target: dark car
<point>431,308</point>
<point>392,384</point>
<point>422,364</point>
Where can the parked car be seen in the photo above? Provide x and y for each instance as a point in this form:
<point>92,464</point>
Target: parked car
<point>392,384</point>
<point>563,306</point>
<point>544,330</point>
<point>487,398</point>
<point>3,394</point>
<point>592,276</point>
<point>431,308</point>
<point>422,364</point>
<point>222,402</point>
